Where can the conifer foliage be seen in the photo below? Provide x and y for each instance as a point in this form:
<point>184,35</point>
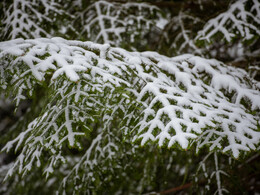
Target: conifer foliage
<point>92,117</point>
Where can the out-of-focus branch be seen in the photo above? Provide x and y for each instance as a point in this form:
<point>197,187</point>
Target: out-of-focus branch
<point>175,189</point>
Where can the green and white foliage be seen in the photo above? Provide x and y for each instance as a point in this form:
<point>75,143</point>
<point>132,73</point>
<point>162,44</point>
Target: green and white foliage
<point>28,18</point>
<point>181,31</point>
<point>254,70</point>
<point>232,33</point>
<point>241,19</point>
<point>210,169</point>
<point>225,36</point>
<point>106,102</point>
<point>140,26</point>
<point>119,23</point>
<point>90,118</point>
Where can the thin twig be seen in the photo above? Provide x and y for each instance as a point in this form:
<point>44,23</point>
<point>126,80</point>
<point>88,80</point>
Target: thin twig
<point>175,189</point>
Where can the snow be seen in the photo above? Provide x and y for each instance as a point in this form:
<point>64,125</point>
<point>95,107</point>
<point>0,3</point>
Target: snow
<point>111,23</point>
<point>19,23</point>
<point>161,23</point>
<point>181,100</point>
<point>183,40</point>
<point>236,17</point>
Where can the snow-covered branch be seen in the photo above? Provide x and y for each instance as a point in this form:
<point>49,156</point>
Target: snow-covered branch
<point>113,23</point>
<point>183,100</point>
<point>28,19</point>
<point>238,20</point>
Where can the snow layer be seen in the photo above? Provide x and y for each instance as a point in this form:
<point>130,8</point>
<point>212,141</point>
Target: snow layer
<point>234,20</point>
<point>182,100</point>
<point>113,22</point>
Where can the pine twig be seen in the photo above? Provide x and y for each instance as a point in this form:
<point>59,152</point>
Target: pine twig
<point>175,189</point>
